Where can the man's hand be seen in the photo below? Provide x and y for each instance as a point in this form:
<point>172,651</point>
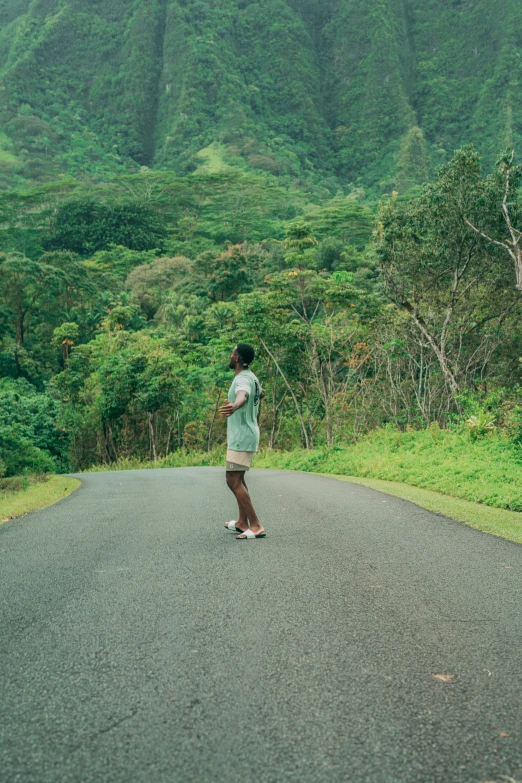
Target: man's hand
<point>231,407</point>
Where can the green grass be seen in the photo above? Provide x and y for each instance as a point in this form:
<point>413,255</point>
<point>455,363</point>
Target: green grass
<point>15,504</point>
<point>506,524</point>
<point>6,156</point>
<point>178,459</point>
<point>212,159</point>
<point>487,471</point>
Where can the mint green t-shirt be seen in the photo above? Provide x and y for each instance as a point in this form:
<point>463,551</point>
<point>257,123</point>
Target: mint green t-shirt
<point>242,426</point>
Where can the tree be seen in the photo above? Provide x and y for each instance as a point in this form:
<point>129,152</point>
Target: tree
<point>23,284</point>
<point>19,454</point>
<point>262,317</point>
<point>230,273</point>
<point>29,436</point>
<point>64,337</point>
<point>307,324</point>
<point>118,261</point>
<point>442,273</point>
<point>324,318</point>
<point>85,226</point>
<point>150,284</point>
<point>505,184</point>
<point>75,283</point>
<point>298,243</point>
<point>158,388</point>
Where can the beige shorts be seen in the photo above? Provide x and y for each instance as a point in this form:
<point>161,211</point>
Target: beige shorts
<point>239,460</point>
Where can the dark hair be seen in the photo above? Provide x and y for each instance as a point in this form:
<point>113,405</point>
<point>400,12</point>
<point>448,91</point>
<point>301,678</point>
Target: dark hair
<point>246,353</point>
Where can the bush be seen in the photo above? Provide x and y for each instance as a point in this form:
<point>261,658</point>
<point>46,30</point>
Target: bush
<point>18,454</point>
<point>19,483</point>
<point>30,416</point>
<point>85,227</point>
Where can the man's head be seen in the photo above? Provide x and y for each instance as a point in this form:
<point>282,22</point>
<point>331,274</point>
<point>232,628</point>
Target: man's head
<point>243,354</point>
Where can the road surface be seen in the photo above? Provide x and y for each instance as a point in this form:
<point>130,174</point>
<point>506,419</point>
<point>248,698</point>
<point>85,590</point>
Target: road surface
<point>365,640</point>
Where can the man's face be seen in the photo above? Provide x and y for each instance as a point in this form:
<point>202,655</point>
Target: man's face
<point>233,359</point>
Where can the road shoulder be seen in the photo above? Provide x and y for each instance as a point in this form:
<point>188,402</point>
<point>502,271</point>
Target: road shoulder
<point>36,497</point>
<point>496,521</point>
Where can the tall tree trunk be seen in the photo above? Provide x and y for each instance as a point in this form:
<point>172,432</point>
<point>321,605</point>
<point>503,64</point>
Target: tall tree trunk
<point>107,456</point>
<point>327,410</point>
<point>111,441</point>
<point>513,246</point>
<point>20,329</point>
<point>276,420</point>
<point>275,409</point>
<point>216,408</point>
<point>153,436</point>
<point>439,350</point>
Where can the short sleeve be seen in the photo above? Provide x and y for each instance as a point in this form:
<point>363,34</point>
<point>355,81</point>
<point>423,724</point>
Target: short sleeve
<point>242,384</point>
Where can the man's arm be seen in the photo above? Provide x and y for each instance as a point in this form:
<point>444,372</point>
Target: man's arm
<point>231,407</point>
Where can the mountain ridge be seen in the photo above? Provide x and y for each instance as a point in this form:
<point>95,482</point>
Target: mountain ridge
<point>370,92</point>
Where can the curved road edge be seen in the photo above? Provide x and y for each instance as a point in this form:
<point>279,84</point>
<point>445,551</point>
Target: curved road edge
<point>37,497</point>
<point>487,519</point>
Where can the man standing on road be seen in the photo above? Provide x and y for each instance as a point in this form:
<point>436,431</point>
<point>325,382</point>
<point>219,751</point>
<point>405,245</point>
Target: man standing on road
<point>241,411</point>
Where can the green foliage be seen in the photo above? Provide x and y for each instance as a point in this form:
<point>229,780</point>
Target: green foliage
<point>344,218</point>
<point>442,272</point>
<point>413,164</point>
<point>118,261</point>
<point>480,425</point>
<point>153,285</point>
<point>19,454</point>
<point>299,241</point>
<point>29,438</point>
<point>367,93</point>
<point>87,226</point>
<point>64,337</point>
<point>24,286</point>
<point>486,470</point>
<point>230,274</point>
<point>200,212</point>
<point>131,349</point>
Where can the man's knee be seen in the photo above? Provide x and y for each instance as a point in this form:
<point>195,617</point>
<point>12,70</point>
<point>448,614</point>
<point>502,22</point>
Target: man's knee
<point>233,479</point>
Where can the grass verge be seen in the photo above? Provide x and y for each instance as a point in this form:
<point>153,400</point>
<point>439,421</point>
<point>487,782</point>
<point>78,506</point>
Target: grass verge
<point>486,471</point>
<point>37,496</point>
<point>505,524</point>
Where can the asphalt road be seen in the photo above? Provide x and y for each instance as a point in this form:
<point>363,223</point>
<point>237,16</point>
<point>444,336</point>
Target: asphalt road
<point>141,643</point>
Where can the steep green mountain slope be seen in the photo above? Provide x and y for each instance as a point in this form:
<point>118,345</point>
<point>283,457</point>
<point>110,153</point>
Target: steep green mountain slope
<point>370,92</point>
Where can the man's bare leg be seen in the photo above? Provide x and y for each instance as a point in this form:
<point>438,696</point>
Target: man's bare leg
<point>232,479</point>
<point>236,482</point>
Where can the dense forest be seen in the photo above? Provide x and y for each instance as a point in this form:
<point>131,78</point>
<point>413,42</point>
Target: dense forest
<point>178,177</point>
<point>369,94</point>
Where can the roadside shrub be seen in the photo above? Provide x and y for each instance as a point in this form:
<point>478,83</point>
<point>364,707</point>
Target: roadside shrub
<point>29,417</point>
<point>18,454</point>
<point>18,483</point>
<point>480,424</point>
